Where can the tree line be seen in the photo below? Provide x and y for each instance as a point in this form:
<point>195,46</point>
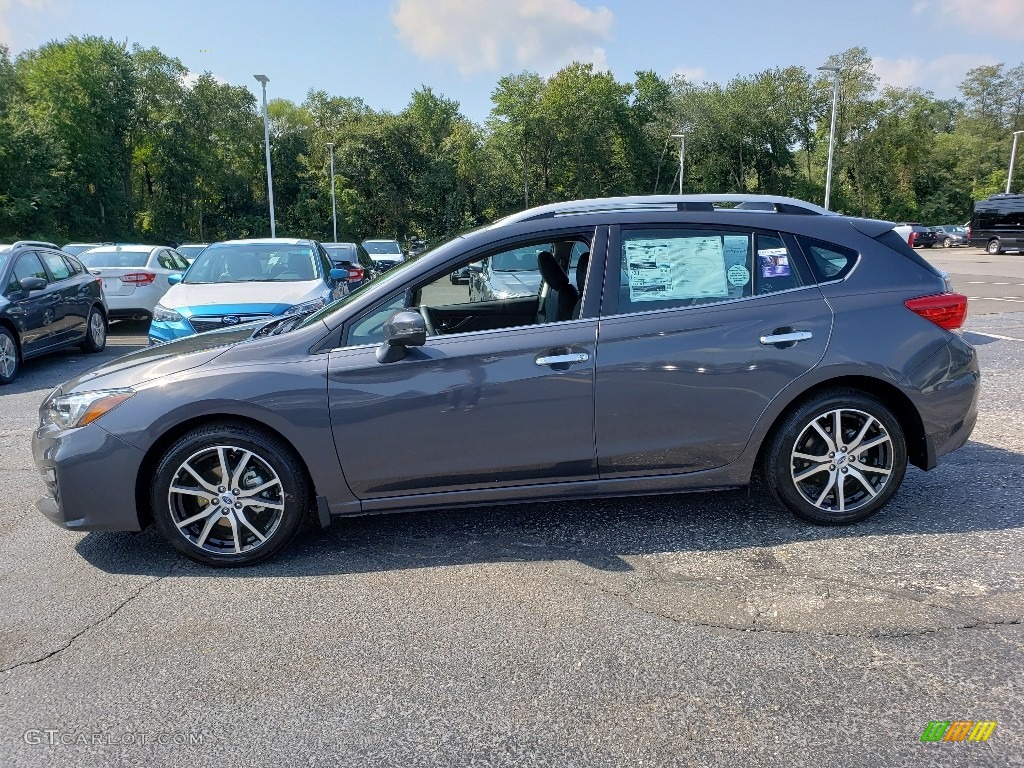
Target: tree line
<point>104,141</point>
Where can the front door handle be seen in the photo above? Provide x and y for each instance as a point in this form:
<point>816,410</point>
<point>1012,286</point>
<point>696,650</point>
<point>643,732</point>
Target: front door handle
<point>790,338</point>
<point>577,357</point>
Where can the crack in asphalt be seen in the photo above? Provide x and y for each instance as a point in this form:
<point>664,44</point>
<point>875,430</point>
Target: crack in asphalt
<point>93,625</point>
<point>970,621</point>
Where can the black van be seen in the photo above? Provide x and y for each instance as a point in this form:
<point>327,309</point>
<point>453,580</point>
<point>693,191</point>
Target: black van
<point>998,223</point>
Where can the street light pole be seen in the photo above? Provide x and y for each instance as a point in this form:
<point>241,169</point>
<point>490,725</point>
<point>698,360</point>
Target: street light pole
<point>1013,156</point>
<point>334,204</point>
<point>266,140</point>
<point>682,152</point>
<point>832,132</point>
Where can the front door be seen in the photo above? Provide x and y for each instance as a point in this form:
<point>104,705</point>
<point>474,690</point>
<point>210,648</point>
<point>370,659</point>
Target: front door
<point>494,398</point>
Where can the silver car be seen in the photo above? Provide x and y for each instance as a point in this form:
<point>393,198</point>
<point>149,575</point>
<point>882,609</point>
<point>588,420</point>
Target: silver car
<point>696,347</point>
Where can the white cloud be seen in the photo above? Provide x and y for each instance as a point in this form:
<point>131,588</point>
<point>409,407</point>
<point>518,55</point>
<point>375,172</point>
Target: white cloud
<point>497,35</point>
<point>7,7</point>
<point>1004,18</point>
<point>190,78</point>
<point>942,75</point>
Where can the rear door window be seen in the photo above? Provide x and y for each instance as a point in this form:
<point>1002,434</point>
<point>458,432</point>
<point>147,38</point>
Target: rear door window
<point>57,266</point>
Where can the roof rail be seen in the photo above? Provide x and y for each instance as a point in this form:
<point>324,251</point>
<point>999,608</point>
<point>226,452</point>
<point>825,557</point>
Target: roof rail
<point>708,202</point>
<point>37,243</point>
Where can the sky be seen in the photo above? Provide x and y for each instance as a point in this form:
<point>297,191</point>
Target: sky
<point>382,51</point>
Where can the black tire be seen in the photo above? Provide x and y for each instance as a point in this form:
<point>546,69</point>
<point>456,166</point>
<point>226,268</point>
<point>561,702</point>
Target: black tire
<point>95,332</point>
<point>994,247</point>
<point>227,531</point>
<point>928,245</point>
<point>10,356</point>
<point>808,488</point>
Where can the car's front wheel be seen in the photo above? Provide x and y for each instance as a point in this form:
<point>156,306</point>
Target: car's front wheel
<point>229,494</point>
<point>836,459</point>
<point>947,243</point>
<point>10,358</point>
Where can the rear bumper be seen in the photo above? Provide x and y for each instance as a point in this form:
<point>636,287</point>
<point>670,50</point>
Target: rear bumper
<point>950,385</point>
<point>89,477</point>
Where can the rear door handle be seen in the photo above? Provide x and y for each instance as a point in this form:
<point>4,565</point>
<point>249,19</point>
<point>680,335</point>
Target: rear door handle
<point>577,357</point>
<point>786,338</point>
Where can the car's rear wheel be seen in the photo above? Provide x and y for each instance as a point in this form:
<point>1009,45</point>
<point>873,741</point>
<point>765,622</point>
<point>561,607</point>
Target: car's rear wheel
<point>836,459</point>
<point>95,332</point>
<point>229,494</point>
<point>10,357</point>
<point>994,247</point>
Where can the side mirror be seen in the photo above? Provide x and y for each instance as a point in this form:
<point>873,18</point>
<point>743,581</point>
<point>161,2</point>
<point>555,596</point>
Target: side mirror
<point>476,267</point>
<point>29,284</point>
<point>339,274</point>
<point>405,328</point>
<point>174,279</point>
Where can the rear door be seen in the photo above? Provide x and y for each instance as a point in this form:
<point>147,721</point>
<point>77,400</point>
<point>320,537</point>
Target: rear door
<point>700,330</point>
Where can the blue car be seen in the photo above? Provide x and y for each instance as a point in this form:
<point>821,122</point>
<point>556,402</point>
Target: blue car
<point>242,281</point>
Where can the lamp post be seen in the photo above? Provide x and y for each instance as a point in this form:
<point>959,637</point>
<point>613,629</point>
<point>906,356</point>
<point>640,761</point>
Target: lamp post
<point>682,150</point>
<point>266,140</point>
<point>334,204</point>
<point>1013,156</point>
<point>832,132</point>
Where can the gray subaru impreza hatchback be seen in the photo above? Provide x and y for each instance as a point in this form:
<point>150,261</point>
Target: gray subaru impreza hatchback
<point>695,341</point>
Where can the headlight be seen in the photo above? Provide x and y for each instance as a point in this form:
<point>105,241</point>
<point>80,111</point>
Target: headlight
<point>81,408</point>
<point>164,315</point>
<point>306,306</point>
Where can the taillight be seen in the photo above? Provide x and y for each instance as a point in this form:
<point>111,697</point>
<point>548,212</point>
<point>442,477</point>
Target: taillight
<point>138,278</point>
<point>911,238</point>
<point>355,274</point>
<point>946,310</point>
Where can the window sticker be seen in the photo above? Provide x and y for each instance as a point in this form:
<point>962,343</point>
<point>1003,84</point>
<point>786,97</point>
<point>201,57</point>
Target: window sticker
<point>736,248</point>
<point>675,268</point>
<point>738,275</point>
<point>774,262</point>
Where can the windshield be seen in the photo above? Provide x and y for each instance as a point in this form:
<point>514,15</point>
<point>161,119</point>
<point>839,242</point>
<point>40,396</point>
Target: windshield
<point>190,251</point>
<point>382,247</point>
<point>342,252</point>
<point>94,259</point>
<point>76,248</point>
<point>519,260</point>
<point>254,262</point>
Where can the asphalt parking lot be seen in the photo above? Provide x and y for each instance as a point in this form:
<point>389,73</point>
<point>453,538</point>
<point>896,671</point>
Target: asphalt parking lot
<point>709,629</point>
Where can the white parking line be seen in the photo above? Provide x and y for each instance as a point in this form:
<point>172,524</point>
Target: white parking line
<point>994,336</point>
<point>1014,299</point>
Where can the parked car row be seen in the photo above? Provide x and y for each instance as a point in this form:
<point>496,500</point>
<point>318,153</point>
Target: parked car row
<point>52,298</point>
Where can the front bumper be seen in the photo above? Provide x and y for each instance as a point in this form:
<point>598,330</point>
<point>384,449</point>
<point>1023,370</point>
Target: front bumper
<point>89,476</point>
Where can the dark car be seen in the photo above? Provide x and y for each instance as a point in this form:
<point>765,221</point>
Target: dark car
<point>353,257</point>
<point>950,235</point>
<point>707,345</point>
<point>998,223</point>
<point>49,301</point>
<point>917,235</point>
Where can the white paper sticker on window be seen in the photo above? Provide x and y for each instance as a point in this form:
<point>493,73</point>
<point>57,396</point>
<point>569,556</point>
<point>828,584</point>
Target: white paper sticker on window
<point>676,268</point>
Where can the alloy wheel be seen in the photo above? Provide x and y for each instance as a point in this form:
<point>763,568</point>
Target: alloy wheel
<point>8,356</point>
<point>226,500</point>
<point>842,460</point>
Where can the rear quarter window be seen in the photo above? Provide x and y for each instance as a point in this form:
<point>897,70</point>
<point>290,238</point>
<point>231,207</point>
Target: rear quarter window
<point>830,261</point>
